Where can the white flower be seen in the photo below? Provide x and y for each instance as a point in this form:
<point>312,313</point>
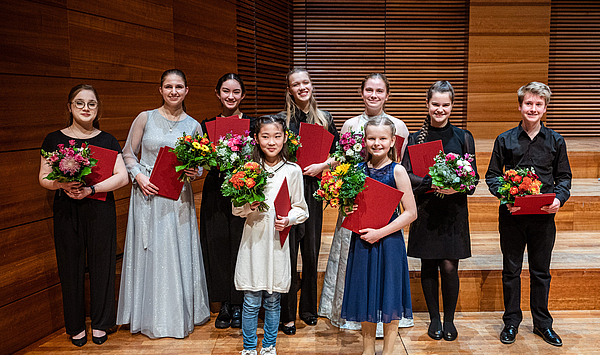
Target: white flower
<point>349,152</point>
<point>357,147</point>
<point>233,157</point>
<point>467,168</point>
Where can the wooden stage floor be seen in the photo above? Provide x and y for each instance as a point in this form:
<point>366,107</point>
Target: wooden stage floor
<point>478,334</point>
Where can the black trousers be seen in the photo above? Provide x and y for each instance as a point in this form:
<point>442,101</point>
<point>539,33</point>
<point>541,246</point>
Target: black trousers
<point>220,237</point>
<point>537,233</point>
<point>305,237</point>
<point>86,228</point>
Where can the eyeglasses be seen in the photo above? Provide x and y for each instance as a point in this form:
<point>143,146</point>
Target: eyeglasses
<point>92,105</point>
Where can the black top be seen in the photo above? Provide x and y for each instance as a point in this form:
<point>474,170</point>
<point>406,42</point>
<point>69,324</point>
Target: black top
<point>301,116</point>
<point>441,230</point>
<point>546,153</point>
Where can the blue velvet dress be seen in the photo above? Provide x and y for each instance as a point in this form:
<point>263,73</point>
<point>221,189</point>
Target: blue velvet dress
<point>377,279</point>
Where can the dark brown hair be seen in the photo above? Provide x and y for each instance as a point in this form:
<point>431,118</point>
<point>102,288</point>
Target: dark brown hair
<point>441,86</point>
<point>76,90</point>
<point>180,74</point>
<point>257,154</point>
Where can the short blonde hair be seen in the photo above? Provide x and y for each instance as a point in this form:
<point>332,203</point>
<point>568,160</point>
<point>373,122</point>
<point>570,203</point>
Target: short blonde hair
<point>536,88</point>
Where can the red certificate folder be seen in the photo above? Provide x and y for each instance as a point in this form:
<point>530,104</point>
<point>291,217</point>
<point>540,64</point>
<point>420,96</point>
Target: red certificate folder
<point>399,143</point>
<point>232,124</point>
<point>164,175</point>
<point>211,129</point>
<point>103,169</point>
<point>531,204</point>
<point>283,205</point>
<point>376,204</point>
<point>421,156</point>
<point>316,143</point>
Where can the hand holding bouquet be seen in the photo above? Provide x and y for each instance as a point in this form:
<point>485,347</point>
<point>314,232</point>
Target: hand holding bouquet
<point>246,184</point>
<point>234,150</point>
<point>69,163</point>
<point>518,182</point>
<point>293,143</point>
<point>350,148</point>
<point>192,152</point>
<point>340,186</point>
<point>453,171</point>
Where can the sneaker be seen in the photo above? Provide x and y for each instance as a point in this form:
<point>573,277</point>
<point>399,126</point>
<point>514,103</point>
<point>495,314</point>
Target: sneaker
<point>379,331</point>
<point>268,351</point>
<point>406,323</point>
<point>248,352</point>
<point>224,318</point>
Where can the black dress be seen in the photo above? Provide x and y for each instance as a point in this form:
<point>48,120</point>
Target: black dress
<point>83,228</point>
<point>306,237</point>
<point>441,230</point>
<point>220,235</point>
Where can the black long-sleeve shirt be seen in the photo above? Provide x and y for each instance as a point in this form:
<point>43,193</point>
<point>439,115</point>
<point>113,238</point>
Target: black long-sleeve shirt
<point>546,153</point>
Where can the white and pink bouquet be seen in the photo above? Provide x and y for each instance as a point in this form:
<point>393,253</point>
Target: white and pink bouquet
<point>234,150</point>
<point>453,171</point>
<point>350,148</point>
<point>69,163</point>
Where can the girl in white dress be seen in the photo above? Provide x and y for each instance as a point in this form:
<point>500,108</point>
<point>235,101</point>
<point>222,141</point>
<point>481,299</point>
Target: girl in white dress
<point>263,268</point>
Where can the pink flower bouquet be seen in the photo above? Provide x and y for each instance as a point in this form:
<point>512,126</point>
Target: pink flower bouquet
<point>69,163</point>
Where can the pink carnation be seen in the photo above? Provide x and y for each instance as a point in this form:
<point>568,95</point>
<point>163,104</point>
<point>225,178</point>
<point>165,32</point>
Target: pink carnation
<point>72,142</point>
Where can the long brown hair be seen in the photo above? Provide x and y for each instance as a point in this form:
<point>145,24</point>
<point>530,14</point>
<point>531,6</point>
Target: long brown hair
<point>314,116</point>
<point>76,90</point>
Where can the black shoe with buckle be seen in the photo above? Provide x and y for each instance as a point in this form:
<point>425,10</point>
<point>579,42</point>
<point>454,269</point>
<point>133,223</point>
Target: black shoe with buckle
<point>509,334</point>
<point>236,316</point>
<point>224,318</point>
<point>549,335</point>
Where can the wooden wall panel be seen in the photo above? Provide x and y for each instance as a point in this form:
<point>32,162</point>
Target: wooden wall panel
<point>156,14</point>
<point>508,47</point>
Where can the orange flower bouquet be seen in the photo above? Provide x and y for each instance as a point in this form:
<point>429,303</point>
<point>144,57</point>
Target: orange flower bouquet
<point>246,184</point>
<point>192,152</point>
<point>518,182</point>
<point>338,188</point>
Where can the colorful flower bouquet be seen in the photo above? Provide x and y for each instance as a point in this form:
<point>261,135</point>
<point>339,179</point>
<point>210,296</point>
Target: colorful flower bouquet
<point>340,186</point>
<point>192,152</point>
<point>350,148</point>
<point>234,150</point>
<point>293,143</point>
<point>246,184</point>
<point>69,163</point>
<point>453,171</point>
<point>518,182</point>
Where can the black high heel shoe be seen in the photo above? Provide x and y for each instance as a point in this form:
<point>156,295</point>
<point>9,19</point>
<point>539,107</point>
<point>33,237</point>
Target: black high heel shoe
<point>100,340</point>
<point>79,342</point>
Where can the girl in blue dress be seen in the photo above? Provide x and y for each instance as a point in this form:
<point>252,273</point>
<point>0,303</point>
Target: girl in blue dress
<point>377,280</point>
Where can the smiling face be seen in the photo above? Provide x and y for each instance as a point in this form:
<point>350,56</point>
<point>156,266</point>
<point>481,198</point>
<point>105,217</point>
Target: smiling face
<point>532,109</point>
<point>300,87</point>
<point>230,95</point>
<point>84,116</point>
<point>173,90</point>
<point>374,95</point>
<point>440,108</point>
<point>271,138</point>
<point>379,140</point>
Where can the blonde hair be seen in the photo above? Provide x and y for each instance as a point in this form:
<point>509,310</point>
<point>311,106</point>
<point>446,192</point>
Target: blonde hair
<point>315,115</point>
<point>382,121</point>
<point>540,89</point>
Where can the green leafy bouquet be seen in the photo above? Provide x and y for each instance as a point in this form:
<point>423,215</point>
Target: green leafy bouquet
<point>453,171</point>
<point>339,188</point>
<point>194,151</point>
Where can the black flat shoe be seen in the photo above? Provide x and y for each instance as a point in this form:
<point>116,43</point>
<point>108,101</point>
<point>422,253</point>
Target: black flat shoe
<point>100,340</point>
<point>236,316</point>
<point>312,320</point>
<point>450,332</point>
<point>509,334</point>
<point>549,335</point>
<point>287,330</point>
<point>435,330</point>
<point>223,320</point>
<point>79,342</point>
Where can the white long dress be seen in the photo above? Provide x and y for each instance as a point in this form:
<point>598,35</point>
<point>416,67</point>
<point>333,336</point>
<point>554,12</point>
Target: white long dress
<point>163,286</point>
<point>262,263</point>
<point>330,305</point>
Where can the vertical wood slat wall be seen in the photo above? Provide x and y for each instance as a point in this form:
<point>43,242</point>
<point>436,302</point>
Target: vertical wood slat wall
<point>264,53</point>
<point>414,43</point>
<point>574,70</point>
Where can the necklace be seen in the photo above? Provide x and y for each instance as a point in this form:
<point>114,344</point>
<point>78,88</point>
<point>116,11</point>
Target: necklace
<point>272,173</point>
<point>174,122</point>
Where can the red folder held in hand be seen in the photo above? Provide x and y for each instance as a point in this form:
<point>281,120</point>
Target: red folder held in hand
<point>231,124</point>
<point>398,145</point>
<point>421,156</point>
<point>283,205</point>
<point>376,204</point>
<point>103,169</point>
<point>211,129</point>
<point>531,204</point>
<point>164,175</point>
<point>316,143</point>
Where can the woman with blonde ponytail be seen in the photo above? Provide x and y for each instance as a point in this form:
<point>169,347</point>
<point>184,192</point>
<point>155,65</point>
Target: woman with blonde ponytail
<point>301,106</point>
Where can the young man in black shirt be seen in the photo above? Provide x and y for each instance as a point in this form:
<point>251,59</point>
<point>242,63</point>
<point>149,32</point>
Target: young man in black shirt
<point>529,145</point>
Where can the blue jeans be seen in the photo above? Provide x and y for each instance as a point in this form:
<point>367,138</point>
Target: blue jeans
<point>252,302</point>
